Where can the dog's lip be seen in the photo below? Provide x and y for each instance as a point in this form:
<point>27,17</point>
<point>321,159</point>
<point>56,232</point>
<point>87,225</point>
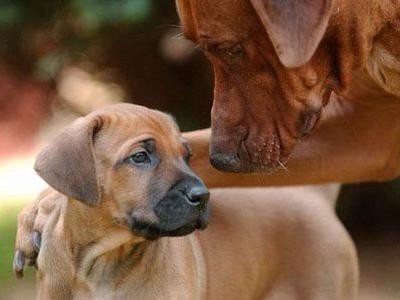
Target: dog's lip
<point>249,166</point>
<point>308,121</point>
<point>264,153</point>
<point>201,224</point>
<point>152,231</point>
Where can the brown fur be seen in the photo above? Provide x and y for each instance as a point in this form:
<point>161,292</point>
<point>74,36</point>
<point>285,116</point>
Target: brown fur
<point>287,69</point>
<point>261,244</point>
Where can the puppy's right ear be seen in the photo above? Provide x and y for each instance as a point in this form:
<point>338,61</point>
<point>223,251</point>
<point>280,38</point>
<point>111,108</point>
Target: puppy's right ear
<point>67,164</point>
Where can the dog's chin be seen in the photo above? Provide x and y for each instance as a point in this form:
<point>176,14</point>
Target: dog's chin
<point>153,231</point>
<point>252,166</point>
<point>267,158</point>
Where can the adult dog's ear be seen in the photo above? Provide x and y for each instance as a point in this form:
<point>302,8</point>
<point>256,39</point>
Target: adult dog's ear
<point>185,13</point>
<point>67,164</point>
<point>295,27</point>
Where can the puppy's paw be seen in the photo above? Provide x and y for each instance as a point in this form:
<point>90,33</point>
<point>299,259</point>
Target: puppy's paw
<point>27,240</point>
<point>31,221</point>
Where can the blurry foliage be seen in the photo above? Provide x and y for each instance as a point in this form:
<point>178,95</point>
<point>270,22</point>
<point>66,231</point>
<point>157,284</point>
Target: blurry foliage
<point>93,14</point>
<point>39,36</point>
<point>119,40</point>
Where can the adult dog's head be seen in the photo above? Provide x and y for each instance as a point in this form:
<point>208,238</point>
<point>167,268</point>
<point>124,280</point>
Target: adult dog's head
<point>131,164</point>
<point>272,75</point>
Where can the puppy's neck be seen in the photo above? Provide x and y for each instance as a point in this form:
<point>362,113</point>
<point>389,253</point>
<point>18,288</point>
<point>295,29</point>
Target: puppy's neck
<point>88,225</point>
<point>106,255</point>
<point>101,247</point>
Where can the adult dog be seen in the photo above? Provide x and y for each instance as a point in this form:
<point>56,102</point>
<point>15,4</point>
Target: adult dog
<point>122,192</point>
<point>283,67</point>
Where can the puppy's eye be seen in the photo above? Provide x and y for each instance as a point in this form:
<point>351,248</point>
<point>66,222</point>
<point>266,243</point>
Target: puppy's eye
<point>139,158</point>
<point>188,152</point>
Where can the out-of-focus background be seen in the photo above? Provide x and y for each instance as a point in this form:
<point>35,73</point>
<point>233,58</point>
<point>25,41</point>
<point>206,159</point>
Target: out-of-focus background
<point>62,59</point>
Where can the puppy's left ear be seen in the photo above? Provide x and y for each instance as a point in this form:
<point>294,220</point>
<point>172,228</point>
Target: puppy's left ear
<point>295,27</point>
<point>67,164</point>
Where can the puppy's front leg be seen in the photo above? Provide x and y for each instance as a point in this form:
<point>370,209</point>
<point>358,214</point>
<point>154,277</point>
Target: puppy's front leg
<point>56,272</point>
<point>31,221</point>
<point>55,285</point>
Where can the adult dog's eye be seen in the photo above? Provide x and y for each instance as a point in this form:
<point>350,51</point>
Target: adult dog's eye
<point>230,49</point>
<point>139,158</point>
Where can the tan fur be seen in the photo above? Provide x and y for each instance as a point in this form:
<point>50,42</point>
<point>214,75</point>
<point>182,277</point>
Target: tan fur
<point>260,244</point>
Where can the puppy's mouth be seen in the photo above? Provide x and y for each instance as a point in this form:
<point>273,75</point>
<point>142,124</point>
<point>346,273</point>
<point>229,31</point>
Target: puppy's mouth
<point>155,230</point>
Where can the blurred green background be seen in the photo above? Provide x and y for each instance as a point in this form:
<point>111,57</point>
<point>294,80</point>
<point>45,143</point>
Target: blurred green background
<point>62,59</point>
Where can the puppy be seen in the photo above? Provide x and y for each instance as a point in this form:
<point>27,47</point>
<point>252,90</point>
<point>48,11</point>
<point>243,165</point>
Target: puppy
<point>124,206</point>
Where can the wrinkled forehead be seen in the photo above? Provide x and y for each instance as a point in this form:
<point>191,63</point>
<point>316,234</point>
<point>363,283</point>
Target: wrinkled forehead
<point>122,126</point>
<point>219,19</point>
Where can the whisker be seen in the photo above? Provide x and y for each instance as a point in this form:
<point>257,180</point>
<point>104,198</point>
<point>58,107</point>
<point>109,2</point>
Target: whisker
<point>169,26</point>
<point>283,166</point>
<point>178,36</point>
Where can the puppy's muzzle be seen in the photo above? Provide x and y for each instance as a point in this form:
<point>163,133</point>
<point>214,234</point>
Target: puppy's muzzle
<point>184,204</point>
<point>183,209</point>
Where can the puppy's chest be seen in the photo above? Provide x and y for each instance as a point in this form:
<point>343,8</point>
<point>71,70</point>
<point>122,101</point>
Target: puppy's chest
<point>103,276</point>
<point>113,277</point>
<point>105,283</point>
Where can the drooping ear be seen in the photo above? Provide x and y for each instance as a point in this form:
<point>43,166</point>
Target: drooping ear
<point>185,13</point>
<point>295,27</point>
<point>67,164</point>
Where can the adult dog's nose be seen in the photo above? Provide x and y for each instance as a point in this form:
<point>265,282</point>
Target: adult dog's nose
<point>198,195</point>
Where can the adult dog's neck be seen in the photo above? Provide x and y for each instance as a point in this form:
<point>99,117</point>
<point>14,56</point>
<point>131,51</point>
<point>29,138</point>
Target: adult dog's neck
<point>354,28</point>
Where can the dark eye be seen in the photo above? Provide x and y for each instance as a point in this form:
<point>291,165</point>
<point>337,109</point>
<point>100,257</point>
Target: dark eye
<point>139,158</point>
<point>188,152</point>
<point>230,50</point>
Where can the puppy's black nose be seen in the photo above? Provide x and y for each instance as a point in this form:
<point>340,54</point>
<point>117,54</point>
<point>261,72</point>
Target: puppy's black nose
<point>198,195</point>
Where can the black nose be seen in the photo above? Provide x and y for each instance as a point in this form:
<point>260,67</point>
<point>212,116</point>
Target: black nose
<point>198,195</point>
<point>225,162</point>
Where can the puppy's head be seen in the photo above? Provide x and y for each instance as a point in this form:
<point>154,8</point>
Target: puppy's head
<point>132,164</point>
